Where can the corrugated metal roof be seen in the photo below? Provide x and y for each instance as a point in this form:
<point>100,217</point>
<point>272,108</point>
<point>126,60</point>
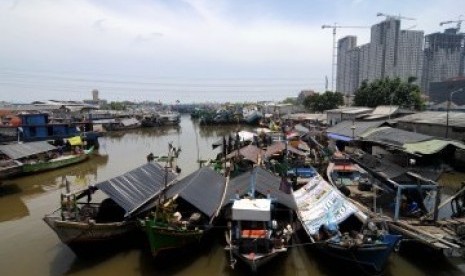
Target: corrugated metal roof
<point>203,189</point>
<point>279,146</point>
<point>435,118</point>
<point>265,183</point>
<point>350,110</point>
<point>431,146</point>
<point>395,136</point>
<point>137,187</point>
<point>249,152</point>
<point>17,151</point>
<point>344,128</point>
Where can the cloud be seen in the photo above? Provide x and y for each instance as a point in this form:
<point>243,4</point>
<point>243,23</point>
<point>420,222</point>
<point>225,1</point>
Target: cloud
<point>228,38</point>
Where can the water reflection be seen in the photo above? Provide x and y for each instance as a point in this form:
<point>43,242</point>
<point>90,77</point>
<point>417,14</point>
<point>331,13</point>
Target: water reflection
<point>11,205</point>
<point>25,200</point>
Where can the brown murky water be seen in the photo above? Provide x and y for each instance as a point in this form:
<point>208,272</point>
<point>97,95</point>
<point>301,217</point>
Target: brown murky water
<point>29,247</point>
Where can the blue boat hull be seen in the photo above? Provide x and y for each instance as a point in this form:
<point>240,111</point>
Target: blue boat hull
<point>369,257</point>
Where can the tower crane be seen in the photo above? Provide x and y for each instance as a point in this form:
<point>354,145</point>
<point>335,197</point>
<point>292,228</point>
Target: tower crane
<point>398,17</point>
<point>459,23</point>
<point>334,63</point>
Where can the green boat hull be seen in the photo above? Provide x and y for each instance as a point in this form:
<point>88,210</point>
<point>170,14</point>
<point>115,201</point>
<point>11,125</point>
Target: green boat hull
<point>56,163</point>
<point>165,237</point>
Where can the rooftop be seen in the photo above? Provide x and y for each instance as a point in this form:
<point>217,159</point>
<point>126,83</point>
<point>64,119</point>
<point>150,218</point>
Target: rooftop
<point>456,119</point>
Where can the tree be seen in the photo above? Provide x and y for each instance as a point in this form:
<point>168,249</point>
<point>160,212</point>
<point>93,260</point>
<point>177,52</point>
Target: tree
<point>115,106</point>
<point>389,92</point>
<point>290,100</point>
<point>325,101</point>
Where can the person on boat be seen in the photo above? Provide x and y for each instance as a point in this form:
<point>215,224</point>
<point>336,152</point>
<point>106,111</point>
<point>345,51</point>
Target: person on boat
<point>150,157</point>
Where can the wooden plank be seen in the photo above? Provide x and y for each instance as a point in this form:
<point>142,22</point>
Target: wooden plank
<point>422,232</point>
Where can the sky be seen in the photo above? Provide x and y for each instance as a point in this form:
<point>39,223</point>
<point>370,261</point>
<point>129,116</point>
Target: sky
<point>166,49</point>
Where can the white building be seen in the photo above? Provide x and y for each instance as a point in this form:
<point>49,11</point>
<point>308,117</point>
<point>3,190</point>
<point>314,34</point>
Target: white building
<point>392,53</point>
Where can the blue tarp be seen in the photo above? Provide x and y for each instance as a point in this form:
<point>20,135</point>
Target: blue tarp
<point>339,137</point>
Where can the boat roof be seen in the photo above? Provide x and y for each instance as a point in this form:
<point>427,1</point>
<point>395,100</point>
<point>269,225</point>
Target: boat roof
<point>321,203</point>
<point>137,187</point>
<point>17,151</point>
<point>265,183</point>
<point>203,189</point>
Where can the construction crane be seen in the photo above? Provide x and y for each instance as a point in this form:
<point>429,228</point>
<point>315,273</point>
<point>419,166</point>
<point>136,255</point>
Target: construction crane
<point>389,16</point>
<point>459,23</point>
<point>334,63</point>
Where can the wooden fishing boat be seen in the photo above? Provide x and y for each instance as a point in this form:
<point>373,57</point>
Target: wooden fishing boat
<point>349,177</point>
<point>80,224</point>
<point>10,168</point>
<point>186,214</point>
<point>258,230</point>
<point>166,230</point>
<point>339,229</point>
<point>57,162</point>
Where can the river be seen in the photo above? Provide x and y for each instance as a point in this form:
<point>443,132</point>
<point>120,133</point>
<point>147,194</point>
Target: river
<point>29,247</point>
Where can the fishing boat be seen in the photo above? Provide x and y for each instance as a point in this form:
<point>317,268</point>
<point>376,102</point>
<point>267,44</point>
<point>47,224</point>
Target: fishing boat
<point>57,161</point>
<point>186,213</point>
<point>336,227</point>
<point>169,118</point>
<point>259,228</point>
<point>348,176</point>
<point>10,168</point>
<point>82,224</point>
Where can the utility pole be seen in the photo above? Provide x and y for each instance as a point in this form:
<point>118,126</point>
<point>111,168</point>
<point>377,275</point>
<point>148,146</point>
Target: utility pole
<point>448,108</point>
<point>334,62</point>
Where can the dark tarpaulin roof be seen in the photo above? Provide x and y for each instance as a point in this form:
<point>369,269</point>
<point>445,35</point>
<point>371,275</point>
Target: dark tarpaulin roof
<point>396,136</point>
<point>382,167</point>
<point>265,182</point>
<point>134,188</point>
<point>203,189</point>
<point>16,151</point>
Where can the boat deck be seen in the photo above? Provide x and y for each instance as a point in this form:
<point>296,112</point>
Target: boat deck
<point>439,235</point>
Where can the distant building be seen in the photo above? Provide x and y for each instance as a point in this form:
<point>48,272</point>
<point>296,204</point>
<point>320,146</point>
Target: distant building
<point>95,99</point>
<point>441,90</point>
<point>392,53</point>
<point>347,60</point>
<point>95,95</point>
<point>443,57</point>
<point>304,94</point>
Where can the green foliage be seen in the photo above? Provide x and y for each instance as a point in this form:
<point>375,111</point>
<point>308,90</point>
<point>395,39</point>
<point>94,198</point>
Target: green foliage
<point>290,100</point>
<point>325,101</point>
<point>389,91</point>
<point>115,106</point>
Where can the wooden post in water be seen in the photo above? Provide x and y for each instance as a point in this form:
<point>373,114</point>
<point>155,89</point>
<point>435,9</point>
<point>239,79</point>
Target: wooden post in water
<point>398,203</point>
<point>437,201</point>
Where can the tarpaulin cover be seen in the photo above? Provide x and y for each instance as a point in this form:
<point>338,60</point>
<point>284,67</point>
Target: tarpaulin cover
<point>203,189</point>
<point>134,188</point>
<point>339,137</point>
<point>16,151</point>
<point>75,141</point>
<point>319,203</point>
<point>265,183</point>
